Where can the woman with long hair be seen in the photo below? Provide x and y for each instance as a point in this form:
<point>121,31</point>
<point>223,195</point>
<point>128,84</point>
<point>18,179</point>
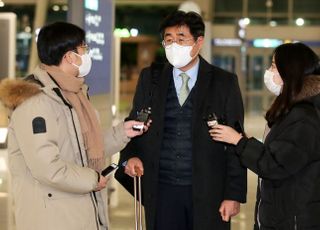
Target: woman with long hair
<point>288,162</point>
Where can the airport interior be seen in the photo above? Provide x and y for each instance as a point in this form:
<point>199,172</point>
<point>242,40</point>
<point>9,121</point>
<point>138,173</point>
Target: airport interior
<point>123,36</point>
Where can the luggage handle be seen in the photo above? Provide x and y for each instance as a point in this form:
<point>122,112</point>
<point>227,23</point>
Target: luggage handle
<point>137,204</point>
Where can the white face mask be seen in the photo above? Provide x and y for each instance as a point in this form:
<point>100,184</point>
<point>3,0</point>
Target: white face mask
<point>178,56</point>
<point>85,66</point>
<point>270,84</point>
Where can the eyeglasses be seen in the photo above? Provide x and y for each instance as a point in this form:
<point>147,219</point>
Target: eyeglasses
<point>85,47</point>
<point>166,43</point>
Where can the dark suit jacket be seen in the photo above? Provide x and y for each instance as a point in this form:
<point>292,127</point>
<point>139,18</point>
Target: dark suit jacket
<point>217,173</point>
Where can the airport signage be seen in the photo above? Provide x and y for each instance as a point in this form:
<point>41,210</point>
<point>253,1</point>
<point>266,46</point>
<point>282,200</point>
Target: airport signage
<point>98,24</point>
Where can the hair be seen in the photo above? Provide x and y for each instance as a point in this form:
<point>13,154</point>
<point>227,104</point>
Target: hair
<point>295,62</point>
<point>180,18</point>
<point>54,40</point>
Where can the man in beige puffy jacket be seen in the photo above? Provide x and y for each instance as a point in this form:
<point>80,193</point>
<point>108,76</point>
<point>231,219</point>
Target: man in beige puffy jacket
<point>55,145</point>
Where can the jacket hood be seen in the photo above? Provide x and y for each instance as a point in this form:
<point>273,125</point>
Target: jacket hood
<point>311,88</point>
<point>15,92</point>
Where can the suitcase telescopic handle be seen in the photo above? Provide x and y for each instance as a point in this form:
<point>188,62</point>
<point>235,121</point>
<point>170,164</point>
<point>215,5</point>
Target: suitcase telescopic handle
<point>137,203</point>
<point>137,196</point>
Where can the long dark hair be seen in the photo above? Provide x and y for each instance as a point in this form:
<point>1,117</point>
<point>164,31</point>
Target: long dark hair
<point>294,61</point>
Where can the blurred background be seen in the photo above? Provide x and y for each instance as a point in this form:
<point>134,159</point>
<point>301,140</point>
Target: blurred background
<point>123,36</point>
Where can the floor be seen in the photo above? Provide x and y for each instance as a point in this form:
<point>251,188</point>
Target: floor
<point>121,203</point>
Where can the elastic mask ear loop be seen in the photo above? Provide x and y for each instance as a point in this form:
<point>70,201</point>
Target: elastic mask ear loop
<point>193,47</point>
<point>78,66</point>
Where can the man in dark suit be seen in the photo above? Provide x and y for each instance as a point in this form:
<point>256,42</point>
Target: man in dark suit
<point>190,182</point>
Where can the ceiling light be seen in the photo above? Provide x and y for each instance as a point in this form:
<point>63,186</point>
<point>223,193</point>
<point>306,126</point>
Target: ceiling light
<point>65,7</point>
<point>27,29</point>
<point>244,22</point>
<point>55,8</point>
<point>273,23</point>
<point>134,32</point>
<point>269,3</point>
<point>300,22</point>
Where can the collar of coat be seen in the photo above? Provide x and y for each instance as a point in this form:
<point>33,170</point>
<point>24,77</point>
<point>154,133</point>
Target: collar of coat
<point>311,88</point>
<point>14,92</point>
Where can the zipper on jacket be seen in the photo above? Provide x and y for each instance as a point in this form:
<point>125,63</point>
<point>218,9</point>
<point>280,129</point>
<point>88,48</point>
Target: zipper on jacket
<point>95,205</point>
<point>75,130</point>
<point>258,208</point>
<point>295,223</point>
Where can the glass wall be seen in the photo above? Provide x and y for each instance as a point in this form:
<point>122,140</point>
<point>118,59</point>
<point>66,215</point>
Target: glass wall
<point>281,12</point>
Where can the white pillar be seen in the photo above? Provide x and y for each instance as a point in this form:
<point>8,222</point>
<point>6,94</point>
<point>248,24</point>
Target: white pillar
<point>207,12</point>
<point>39,21</point>
<point>206,51</point>
<point>114,196</point>
<point>116,73</point>
<point>7,45</point>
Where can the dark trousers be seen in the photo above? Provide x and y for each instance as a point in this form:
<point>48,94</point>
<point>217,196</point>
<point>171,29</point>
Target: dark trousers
<point>174,208</point>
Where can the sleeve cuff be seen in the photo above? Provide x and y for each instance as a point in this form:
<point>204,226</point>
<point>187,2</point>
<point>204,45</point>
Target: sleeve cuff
<point>241,145</point>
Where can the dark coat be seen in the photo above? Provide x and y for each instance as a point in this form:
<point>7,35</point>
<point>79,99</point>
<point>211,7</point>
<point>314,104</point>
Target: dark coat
<point>288,165</point>
<point>217,173</point>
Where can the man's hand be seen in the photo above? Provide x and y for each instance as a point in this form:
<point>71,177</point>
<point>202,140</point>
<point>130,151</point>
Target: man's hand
<point>102,183</point>
<point>229,208</point>
<point>132,133</point>
<point>134,167</point>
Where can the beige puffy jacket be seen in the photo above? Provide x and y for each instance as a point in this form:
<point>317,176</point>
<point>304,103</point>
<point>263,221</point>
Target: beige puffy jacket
<point>52,187</point>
